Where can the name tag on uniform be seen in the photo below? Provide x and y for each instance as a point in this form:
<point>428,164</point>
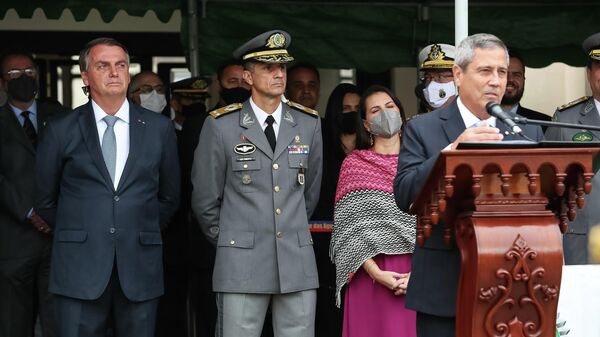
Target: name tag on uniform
<point>298,149</point>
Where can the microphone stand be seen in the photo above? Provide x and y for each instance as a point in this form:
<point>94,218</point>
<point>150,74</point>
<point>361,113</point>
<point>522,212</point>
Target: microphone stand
<point>523,120</point>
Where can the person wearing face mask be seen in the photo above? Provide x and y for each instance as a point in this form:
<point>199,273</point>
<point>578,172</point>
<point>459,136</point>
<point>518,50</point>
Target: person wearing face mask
<point>148,91</point>
<point>339,137</point>
<point>373,240</point>
<point>232,87</point>
<point>25,238</point>
<point>436,88</point>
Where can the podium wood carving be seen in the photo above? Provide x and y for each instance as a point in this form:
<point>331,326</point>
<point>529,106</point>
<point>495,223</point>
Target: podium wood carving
<point>506,209</point>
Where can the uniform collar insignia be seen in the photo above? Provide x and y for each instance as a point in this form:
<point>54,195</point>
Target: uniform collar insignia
<point>288,117</point>
<point>589,106</point>
<point>247,120</point>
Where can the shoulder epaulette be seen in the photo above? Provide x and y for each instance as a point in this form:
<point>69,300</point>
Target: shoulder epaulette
<point>302,108</point>
<point>573,103</point>
<point>225,110</point>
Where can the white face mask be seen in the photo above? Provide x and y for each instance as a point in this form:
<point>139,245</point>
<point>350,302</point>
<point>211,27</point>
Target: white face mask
<point>437,94</point>
<point>153,101</point>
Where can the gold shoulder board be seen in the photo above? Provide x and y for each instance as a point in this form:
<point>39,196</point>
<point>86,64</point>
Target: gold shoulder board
<point>572,104</point>
<point>226,109</point>
<point>303,108</point>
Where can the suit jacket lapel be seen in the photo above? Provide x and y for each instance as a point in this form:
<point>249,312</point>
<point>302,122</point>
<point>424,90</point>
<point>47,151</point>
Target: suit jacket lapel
<point>136,140</point>
<point>253,131</point>
<point>89,131</point>
<point>454,124</point>
<point>15,128</point>
<point>286,130</point>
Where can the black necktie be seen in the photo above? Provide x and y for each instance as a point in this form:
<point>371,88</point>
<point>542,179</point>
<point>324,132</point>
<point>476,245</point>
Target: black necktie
<point>29,129</point>
<point>270,132</point>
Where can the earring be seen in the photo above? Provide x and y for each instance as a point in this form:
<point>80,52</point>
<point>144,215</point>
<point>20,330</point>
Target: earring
<point>372,141</point>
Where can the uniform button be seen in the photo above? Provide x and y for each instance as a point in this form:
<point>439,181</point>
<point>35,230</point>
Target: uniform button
<point>276,166</point>
<point>245,165</point>
<point>112,230</point>
<point>116,198</point>
<point>276,188</point>
<point>279,234</point>
<point>232,242</point>
<point>278,211</point>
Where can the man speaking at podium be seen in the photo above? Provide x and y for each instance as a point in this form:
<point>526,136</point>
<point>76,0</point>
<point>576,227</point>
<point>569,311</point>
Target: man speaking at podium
<point>480,73</point>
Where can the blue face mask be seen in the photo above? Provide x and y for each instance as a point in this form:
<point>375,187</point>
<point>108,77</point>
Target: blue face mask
<point>386,124</point>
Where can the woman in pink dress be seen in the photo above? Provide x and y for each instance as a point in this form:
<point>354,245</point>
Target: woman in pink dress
<point>372,240</point>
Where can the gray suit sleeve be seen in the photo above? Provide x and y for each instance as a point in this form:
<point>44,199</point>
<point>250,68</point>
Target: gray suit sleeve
<point>414,166</point>
<point>48,175</point>
<point>208,179</point>
<point>170,181</point>
<point>314,173</point>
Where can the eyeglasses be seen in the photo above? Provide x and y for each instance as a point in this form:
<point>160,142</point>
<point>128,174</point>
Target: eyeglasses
<point>445,76</point>
<point>146,89</point>
<point>16,73</point>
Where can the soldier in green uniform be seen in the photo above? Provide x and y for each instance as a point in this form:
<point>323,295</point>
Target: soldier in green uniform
<point>256,176</point>
<point>582,111</point>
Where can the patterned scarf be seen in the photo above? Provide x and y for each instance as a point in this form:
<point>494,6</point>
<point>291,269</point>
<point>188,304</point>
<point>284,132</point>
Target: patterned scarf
<point>367,221</point>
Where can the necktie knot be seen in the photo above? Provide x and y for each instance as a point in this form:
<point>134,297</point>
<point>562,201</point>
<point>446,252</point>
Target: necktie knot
<point>270,120</point>
<point>110,120</point>
<point>29,128</point>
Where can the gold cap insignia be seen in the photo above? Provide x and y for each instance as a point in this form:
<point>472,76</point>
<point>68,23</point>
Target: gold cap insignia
<point>276,40</point>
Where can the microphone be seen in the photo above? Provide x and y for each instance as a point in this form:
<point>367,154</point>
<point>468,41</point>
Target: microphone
<point>494,109</point>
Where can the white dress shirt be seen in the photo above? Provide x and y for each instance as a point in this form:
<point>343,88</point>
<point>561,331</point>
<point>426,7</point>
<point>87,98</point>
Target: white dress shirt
<point>261,115</point>
<point>121,134</point>
<point>470,119</point>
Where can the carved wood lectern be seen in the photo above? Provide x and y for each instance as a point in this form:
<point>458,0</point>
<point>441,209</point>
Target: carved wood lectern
<point>506,209</point>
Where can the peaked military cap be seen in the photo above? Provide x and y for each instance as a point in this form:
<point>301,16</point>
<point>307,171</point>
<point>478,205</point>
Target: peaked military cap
<point>193,87</point>
<point>437,56</point>
<point>268,47</point>
<point>591,46</point>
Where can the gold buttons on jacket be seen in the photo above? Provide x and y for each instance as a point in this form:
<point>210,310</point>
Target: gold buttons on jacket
<point>276,188</point>
<point>278,211</point>
<point>276,166</point>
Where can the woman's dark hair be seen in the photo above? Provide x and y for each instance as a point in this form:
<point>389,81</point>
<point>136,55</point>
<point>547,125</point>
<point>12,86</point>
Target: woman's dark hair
<point>335,105</point>
<point>363,138</point>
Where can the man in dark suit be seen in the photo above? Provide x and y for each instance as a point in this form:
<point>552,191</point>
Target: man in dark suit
<point>107,179</point>
<point>25,239</point>
<point>515,86</point>
<point>480,71</point>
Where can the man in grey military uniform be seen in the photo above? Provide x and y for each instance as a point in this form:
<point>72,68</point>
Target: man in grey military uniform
<point>256,177</point>
<point>582,111</point>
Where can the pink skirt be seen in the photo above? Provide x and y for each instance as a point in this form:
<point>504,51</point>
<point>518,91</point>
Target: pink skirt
<point>371,310</point>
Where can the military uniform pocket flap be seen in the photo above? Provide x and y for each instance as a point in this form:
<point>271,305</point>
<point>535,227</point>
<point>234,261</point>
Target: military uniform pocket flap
<point>150,238</point>
<point>72,236</point>
<point>250,165</point>
<point>298,160</point>
<point>305,238</point>
<point>236,239</point>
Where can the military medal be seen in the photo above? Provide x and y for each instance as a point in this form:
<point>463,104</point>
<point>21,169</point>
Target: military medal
<point>246,179</point>
<point>297,139</point>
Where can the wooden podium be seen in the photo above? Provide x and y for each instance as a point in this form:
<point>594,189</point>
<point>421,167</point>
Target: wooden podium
<point>506,209</point>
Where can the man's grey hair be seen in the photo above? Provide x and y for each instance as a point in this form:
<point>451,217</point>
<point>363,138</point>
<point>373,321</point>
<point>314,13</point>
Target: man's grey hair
<point>134,85</point>
<point>84,55</point>
<point>466,48</point>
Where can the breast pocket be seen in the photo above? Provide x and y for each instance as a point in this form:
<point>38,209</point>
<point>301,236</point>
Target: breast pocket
<point>298,165</point>
<point>245,174</point>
